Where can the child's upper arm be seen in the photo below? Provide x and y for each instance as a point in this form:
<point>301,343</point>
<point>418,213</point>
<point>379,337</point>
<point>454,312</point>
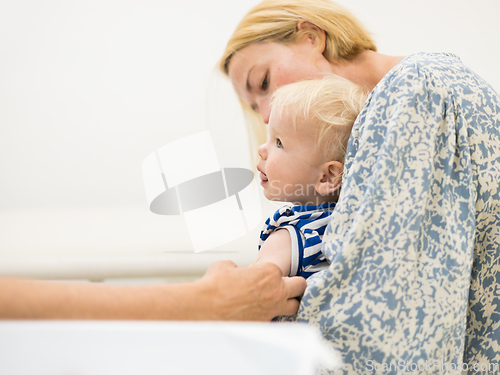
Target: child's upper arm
<point>277,249</point>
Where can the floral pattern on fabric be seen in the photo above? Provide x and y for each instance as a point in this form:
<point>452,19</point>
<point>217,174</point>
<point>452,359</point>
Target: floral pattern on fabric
<point>414,242</point>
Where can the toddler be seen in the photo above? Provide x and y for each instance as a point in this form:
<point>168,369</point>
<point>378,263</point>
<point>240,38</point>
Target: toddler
<point>302,163</point>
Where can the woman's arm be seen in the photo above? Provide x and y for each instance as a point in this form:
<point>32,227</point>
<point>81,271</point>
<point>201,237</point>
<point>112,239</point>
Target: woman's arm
<point>226,292</point>
<point>277,249</point>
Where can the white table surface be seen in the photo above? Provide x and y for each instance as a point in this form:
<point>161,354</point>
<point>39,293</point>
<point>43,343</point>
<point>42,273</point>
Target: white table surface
<point>166,348</point>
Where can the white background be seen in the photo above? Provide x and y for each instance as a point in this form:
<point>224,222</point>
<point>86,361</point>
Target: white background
<point>89,88</point>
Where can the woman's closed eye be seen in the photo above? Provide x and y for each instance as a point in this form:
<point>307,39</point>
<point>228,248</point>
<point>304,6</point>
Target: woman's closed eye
<point>265,83</point>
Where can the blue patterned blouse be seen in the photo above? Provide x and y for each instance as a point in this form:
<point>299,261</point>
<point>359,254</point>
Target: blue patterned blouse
<point>414,242</point>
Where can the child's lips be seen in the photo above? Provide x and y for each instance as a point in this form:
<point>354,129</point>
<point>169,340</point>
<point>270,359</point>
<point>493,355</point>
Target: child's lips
<point>262,176</point>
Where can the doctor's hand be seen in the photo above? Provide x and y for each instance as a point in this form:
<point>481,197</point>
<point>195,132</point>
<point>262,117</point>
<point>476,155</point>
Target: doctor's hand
<point>251,293</point>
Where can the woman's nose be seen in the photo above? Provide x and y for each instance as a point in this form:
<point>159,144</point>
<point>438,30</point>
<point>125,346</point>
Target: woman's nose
<point>264,110</point>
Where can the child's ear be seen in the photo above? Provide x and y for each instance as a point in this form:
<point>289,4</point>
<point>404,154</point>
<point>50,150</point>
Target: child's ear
<point>331,178</point>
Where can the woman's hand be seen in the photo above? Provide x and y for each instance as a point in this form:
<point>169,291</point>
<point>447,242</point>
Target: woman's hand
<point>251,293</point>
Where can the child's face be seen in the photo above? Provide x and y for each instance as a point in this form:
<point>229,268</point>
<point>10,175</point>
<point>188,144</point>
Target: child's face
<point>290,162</point>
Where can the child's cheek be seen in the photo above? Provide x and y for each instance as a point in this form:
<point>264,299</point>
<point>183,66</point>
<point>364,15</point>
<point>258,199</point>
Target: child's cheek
<point>273,166</point>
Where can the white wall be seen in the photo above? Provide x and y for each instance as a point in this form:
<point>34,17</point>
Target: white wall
<point>89,88</point>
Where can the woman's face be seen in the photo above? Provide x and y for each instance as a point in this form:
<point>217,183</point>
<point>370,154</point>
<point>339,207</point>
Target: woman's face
<point>259,69</point>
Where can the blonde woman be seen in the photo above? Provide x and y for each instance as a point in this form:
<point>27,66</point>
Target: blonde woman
<point>414,242</point>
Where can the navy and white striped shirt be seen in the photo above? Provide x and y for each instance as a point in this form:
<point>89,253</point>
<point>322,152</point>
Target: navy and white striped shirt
<point>306,225</point>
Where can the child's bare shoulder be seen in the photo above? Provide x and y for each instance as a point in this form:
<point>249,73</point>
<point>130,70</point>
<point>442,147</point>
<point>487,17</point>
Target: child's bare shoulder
<point>280,237</point>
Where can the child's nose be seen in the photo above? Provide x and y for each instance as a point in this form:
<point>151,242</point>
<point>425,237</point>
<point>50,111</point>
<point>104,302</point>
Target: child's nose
<point>262,151</point>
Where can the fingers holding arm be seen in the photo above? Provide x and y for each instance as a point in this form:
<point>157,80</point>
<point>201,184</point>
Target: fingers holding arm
<point>254,293</point>
<point>296,287</point>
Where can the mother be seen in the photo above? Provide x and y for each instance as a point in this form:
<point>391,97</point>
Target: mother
<point>414,244</point>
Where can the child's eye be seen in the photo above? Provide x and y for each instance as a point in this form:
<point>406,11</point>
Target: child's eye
<point>264,84</point>
<point>278,143</point>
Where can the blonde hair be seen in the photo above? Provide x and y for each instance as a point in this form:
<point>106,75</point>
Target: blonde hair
<point>329,106</point>
<point>276,21</point>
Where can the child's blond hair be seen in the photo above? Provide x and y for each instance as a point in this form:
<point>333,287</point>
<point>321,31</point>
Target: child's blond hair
<point>331,105</point>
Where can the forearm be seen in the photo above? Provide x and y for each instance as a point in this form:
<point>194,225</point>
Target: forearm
<point>226,292</point>
<point>30,299</point>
